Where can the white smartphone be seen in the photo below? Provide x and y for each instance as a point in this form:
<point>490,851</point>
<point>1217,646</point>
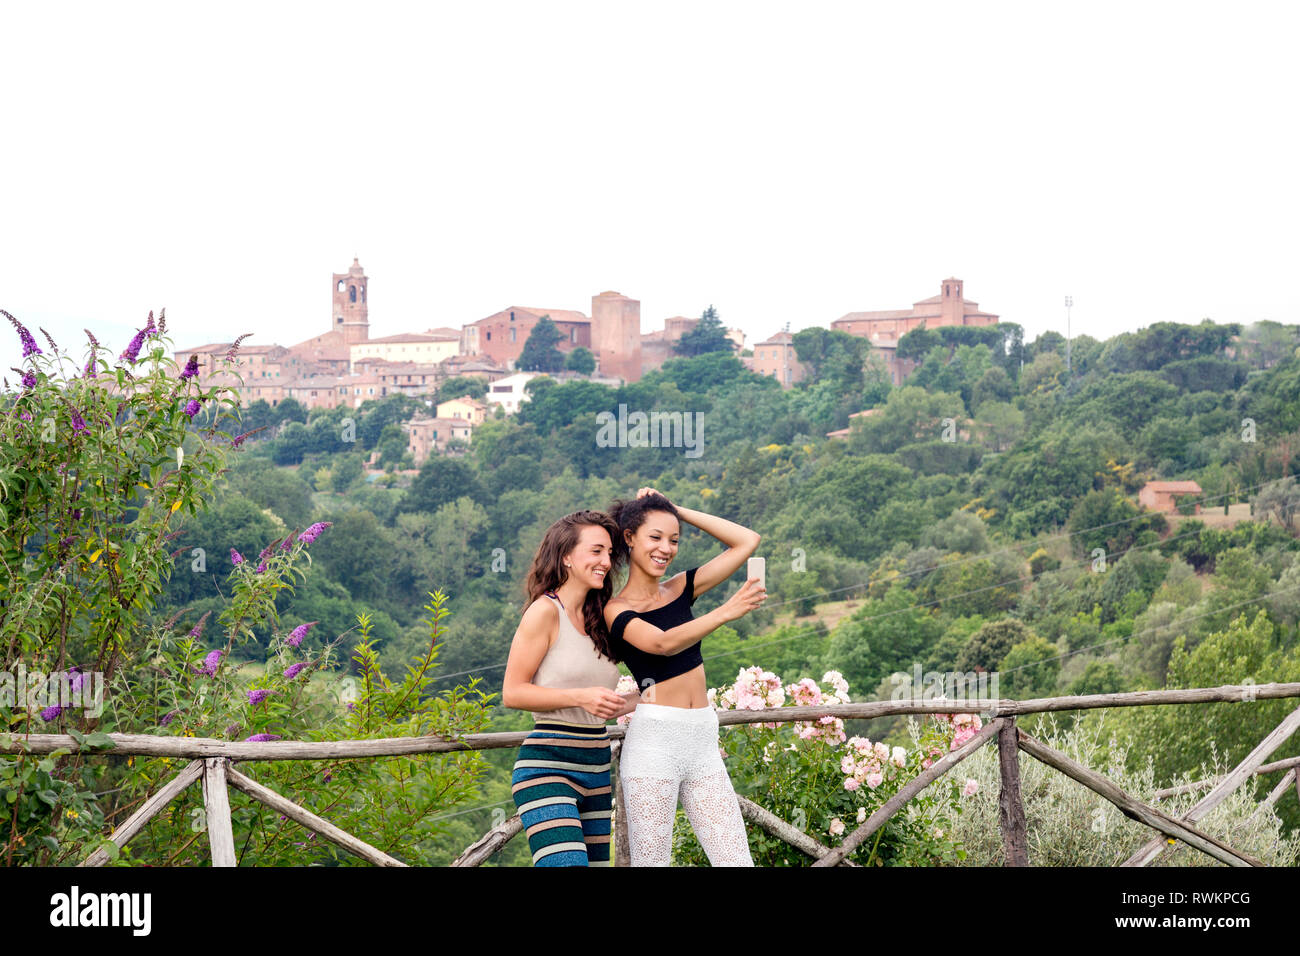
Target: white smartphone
<point>757,568</point>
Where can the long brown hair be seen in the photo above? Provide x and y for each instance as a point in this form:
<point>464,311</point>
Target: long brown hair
<point>548,572</point>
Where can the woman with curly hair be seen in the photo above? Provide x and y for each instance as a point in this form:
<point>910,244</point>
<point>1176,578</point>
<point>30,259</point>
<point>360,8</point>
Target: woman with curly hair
<point>670,751</point>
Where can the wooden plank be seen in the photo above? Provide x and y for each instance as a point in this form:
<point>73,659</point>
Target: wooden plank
<point>1275,794</point>
<point>135,823</point>
<point>913,787</point>
<point>312,822</point>
<point>1286,764</point>
<point>1011,810</point>
<point>489,843</point>
<point>1133,808</point>
<point>1184,788</point>
<point>792,835</point>
<point>204,747</point>
<point>216,802</point>
<point>1242,772</point>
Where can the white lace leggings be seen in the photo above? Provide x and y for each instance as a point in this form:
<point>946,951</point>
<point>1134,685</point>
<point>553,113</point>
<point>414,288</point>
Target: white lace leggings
<point>672,752</point>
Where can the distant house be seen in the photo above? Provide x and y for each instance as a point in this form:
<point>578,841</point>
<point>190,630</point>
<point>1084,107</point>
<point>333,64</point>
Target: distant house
<point>844,432</point>
<point>509,392</point>
<point>426,436</point>
<point>1161,495</point>
<point>465,407</point>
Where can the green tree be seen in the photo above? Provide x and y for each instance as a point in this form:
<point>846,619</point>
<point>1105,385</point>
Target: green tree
<point>540,353</point>
<point>708,335</point>
<point>346,471</point>
<point>1029,669</point>
<point>580,360</point>
<point>992,642</point>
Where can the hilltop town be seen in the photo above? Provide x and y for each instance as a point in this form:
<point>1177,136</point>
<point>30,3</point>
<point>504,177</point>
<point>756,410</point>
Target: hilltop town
<point>345,366</point>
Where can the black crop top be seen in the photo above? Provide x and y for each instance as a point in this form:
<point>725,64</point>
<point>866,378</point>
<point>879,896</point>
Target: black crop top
<point>650,668</point>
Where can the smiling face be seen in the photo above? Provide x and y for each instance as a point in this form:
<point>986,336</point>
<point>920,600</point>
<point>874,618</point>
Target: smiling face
<point>589,561</point>
<point>654,545</point>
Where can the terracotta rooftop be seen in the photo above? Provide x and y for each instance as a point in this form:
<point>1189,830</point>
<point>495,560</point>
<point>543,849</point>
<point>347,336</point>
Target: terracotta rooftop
<point>1175,486</point>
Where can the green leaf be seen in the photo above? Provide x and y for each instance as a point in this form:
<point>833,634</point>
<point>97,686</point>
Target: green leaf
<point>99,740</point>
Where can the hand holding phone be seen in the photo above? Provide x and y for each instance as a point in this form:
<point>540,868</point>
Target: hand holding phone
<point>757,568</point>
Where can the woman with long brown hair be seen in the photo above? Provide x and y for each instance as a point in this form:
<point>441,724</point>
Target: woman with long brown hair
<point>561,668</point>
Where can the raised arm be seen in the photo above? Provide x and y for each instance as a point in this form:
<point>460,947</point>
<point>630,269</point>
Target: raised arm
<point>531,642</point>
<point>643,635</point>
<point>741,544</point>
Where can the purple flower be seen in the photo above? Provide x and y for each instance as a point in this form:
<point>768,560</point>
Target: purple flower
<point>29,379</point>
<point>192,407</point>
<point>197,630</point>
<point>29,344</point>
<point>255,697</point>
<point>236,557</point>
<point>211,661</point>
<point>51,712</point>
<point>298,633</point>
<point>312,533</point>
<point>259,738</point>
<point>75,679</point>
<point>239,439</point>
<point>261,567</point>
<point>288,543</point>
<point>265,551</point>
<point>191,367</point>
<point>49,338</point>
<point>78,423</point>
<point>26,416</point>
<point>76,514</point>
<point>329,775</point>
<point>132,351</point>
<point>352,706</point>
<point>293,671</point>
<point>168,717</point>
<point>232,729</point>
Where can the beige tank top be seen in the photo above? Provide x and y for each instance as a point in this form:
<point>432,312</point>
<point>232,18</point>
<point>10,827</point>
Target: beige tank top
<point>573,661</point>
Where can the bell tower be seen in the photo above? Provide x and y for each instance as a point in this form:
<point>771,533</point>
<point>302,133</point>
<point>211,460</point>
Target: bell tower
<point>350,315</point>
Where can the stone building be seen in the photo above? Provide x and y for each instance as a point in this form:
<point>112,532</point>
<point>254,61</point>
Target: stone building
<point>776,357</point>
<point>884,328</point>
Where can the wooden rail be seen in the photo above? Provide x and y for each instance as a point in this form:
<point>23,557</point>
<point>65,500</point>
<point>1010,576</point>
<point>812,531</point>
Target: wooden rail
<point>211,761</point>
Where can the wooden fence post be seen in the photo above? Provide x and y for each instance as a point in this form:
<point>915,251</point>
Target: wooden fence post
<point>1011,810</point>
<point>622,852</point>
<point>216,801</point>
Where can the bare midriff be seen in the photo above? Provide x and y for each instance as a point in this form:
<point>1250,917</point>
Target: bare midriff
<point>685,690</point>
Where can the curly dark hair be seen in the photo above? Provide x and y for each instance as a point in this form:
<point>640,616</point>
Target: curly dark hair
<point>547,571</point>
<point>629,515</point>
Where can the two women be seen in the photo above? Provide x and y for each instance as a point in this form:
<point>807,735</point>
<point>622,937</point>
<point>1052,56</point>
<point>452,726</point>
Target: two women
<point>562,667</point>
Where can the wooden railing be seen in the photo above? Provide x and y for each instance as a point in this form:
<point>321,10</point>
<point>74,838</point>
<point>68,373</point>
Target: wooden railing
<point>212,762</point>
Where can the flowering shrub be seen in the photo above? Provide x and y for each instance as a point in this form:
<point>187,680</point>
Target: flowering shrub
<point>811,775</point>
<point>97,466</point>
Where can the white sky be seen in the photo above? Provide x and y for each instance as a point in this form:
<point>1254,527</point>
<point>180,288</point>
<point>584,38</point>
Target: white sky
<point>784,162</point>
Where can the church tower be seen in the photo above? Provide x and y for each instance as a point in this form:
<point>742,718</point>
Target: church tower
<point>350,314</point>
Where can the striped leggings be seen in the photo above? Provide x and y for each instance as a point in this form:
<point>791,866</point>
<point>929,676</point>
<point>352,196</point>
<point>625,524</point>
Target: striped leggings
<point>562,788</point>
